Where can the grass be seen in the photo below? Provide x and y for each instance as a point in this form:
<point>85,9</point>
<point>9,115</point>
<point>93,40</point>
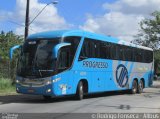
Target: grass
<point>6,87</point>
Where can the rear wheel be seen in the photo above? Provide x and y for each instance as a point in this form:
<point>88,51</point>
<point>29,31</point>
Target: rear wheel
<point>134,87</point>
<point>140,87</point>
<point>80,91</point>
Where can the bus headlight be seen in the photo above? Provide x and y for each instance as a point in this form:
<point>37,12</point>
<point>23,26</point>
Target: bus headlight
<point>17,81</point>
<point>57,79</point>
<point>48,91</point>
<point>48,82</point>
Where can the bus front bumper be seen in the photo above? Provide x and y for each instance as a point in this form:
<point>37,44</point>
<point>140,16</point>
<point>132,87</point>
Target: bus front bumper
<point>41,90</point>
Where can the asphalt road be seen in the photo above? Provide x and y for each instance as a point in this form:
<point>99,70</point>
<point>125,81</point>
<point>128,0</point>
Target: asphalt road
<point>110,102</point>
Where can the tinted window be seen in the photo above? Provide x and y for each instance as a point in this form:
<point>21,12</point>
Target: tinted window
<point>128,53</point>
<point>99,49</point>
<point>66,54</point>
<point>90,49</point>
<point>103,50</point>
<point>36,58</point>
<point>148,56</point>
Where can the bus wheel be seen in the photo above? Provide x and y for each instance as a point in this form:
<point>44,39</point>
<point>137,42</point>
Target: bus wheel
<point>140,87</point>
<point>80,92</point>
<point>47,97</point>
<point>134,87</point>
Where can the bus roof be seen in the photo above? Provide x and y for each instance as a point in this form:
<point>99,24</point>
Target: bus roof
<point>64,33</point>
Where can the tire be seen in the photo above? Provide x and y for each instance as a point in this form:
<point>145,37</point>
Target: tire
<point>80,91</point>
<point>140,86</point>
<point>47,97</point>
<point>134,89</point>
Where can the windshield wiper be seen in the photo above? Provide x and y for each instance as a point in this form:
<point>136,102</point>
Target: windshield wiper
<point>40,72</point>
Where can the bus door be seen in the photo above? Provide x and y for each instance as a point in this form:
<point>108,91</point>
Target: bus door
<point>64,64</point>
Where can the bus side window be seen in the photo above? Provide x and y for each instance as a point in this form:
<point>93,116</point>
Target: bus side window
<point>117,52</point>
<point>103,50</point>
<point>112,52</point>
<point>92,49</point>
<point>148,56</point>
<point>64,59</point>
<point>134,54</point>
<point>143,60</point>
<point>108,50</point>
<point>151,56</point>
<point>85,50</point>
<point>121,51</point>
<point>138,55</point>
<point>127,53</point>
<point>97,48</point>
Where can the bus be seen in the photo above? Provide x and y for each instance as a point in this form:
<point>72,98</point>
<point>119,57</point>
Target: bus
<point>76,62</point>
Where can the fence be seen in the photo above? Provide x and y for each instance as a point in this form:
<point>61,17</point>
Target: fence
<point>8,69</point>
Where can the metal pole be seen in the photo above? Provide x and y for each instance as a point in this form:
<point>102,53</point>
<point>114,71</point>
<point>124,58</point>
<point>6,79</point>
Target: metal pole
<point>27,20</point>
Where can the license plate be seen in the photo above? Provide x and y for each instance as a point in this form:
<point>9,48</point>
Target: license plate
<point>31,91</point>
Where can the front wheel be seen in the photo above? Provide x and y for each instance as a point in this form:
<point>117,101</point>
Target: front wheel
<point>80,92</point>
<point>140,87</point>
<point>134,87</point>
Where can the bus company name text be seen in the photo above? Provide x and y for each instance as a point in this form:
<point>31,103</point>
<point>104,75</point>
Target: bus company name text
<point>94,64</point>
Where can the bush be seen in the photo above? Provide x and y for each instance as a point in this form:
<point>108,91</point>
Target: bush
<point>6,85</point>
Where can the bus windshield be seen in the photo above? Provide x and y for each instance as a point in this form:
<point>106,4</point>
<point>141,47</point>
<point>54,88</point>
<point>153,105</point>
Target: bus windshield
<point>36,58</point>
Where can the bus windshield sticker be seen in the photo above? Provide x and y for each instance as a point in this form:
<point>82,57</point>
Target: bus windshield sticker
<point>32,42</point>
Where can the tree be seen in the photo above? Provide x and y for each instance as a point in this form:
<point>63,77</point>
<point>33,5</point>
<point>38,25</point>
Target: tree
<point>157,62</point>
<point>149,33</point>
<point>149,36</point>
<point>8,40</point>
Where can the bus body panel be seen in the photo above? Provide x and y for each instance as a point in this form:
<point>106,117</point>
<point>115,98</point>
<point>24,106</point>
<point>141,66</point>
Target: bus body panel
<point>101,74</point>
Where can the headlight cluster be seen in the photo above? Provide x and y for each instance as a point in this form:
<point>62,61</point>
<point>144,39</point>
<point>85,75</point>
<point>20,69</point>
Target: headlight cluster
<point>18,79</point>
<point>57,79</point>
<point>45,81</point>
<point>48,82</point>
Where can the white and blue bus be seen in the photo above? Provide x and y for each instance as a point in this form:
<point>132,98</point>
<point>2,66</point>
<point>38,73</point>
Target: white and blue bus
<point>75,62</point>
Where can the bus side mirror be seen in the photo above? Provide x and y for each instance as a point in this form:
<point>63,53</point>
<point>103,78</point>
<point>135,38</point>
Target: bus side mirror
<point>57,47</point>
<point>12,50</point>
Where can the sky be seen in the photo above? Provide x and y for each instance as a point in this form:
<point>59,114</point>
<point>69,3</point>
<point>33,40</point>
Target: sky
<point>118,18</point>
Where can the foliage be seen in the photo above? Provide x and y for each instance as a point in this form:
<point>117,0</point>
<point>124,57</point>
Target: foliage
<point>8,40</point>
<point>6,86</point>
<point>149,33</point>
<point>157,61</point>
<point>149,36</point>
<point>7,67</point>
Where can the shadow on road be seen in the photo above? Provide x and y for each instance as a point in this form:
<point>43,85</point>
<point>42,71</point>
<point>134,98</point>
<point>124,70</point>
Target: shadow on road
<point>36,99</point>
<point>39,99</point>
<point>126,107</point>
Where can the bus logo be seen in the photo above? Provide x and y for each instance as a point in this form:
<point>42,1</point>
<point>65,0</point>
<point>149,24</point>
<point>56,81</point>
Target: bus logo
<point>122,75</point>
